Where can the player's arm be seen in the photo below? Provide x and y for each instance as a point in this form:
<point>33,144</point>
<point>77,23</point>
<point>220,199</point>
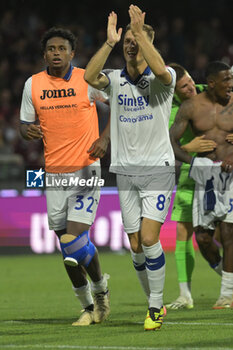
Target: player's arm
<point>31,131</point>
<point>28,129</point>
<point>174,111</point>
<point>99,147</point>
<point>178,128</point>
<point>199,145</point>
<point>151,55</point>
<point>93,70</point>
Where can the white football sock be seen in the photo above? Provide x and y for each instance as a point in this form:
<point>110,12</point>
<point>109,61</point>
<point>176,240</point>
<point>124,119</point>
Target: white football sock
<point>155,267</point>
<point>218,268</point>
<point>100,286</point>
<point>139,262</point>
<point>185,289</point>
<point>227,284</point>
<point>84,295</point>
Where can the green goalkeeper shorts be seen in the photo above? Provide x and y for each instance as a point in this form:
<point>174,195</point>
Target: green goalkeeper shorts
<point>182,205</point>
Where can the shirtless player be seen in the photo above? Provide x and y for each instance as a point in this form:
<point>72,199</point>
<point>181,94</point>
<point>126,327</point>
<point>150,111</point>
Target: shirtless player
<point>211,114</point>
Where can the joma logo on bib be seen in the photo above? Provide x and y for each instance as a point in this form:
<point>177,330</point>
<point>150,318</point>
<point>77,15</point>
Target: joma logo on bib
<point>57,93</point>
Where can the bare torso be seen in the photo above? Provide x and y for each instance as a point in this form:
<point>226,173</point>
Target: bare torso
<point>215,122</point>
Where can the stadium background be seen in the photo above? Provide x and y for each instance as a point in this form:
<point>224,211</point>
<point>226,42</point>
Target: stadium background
<point>191,33</point>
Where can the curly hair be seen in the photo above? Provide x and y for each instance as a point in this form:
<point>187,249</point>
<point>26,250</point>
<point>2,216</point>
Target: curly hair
<point>61,33</point>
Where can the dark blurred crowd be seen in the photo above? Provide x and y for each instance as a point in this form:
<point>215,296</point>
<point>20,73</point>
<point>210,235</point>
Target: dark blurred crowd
<point>191,34</point>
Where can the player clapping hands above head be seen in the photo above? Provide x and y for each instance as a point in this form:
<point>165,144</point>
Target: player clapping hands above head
<point>140,98</point>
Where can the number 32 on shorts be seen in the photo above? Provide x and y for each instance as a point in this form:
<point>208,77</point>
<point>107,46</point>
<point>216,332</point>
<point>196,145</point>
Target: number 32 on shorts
<point>83,205</point>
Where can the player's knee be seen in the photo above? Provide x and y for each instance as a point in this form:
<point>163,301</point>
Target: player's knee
<point>67,238</point>
<point>135,244</point>
<point>136,248</point>
<point>203,240</point>
<point>227,241</point>
<point>78,248</point>
<point>150,240</point>
<point>226,234</point>
<point>184,231</point>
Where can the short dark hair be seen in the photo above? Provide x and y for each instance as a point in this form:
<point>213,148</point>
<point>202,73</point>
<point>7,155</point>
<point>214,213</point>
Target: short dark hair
<point>180,70</point>
<point>61,33</point>
<point>213,68</point>
<point>147,28</point>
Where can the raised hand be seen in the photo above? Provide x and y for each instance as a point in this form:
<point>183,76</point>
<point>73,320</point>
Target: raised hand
<point>113,36</point>
<point>137,18</point>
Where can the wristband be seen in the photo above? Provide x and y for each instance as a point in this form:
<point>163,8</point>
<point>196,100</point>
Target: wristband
<point>109,45</point>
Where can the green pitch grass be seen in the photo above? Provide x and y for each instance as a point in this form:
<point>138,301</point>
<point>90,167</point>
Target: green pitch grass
<point>37,307</point>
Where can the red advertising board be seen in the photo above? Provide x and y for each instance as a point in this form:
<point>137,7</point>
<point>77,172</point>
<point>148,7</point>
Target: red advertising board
<point>24,225</point>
